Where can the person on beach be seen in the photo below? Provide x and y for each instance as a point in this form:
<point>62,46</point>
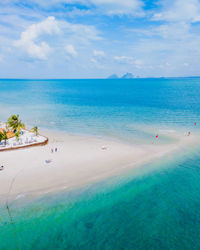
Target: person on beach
<point>48,161</point>
<point>189,133</point>
<point>52,150</point>
<point>1,168</point>
<point>56,149</point>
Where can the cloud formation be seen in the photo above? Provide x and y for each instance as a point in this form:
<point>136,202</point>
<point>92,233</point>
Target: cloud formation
<point>28,40</point>
<point>179,11</point>
<point>100,37</point>
<point>119,7</point>
<point>99,53</point>
<point>106,7</point>
<point>71,50</point>
<point>36,38</point>
<point>124,59</point>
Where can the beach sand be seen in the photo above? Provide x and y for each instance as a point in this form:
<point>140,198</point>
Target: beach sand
<point>79,160</point>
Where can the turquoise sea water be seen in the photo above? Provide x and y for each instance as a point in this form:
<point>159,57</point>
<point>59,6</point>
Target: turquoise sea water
<point>157,207</point>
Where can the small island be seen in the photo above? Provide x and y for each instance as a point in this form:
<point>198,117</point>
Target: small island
<point>14,135</point>
<point>125,76</point>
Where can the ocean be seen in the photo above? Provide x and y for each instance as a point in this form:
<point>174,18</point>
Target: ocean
<point>154,207</point>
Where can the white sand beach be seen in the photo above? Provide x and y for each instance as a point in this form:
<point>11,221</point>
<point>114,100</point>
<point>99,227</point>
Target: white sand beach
<point>79,160</point>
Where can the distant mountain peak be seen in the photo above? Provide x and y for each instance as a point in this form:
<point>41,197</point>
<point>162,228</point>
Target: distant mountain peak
<point>114,76</point>
<point>127,76</point>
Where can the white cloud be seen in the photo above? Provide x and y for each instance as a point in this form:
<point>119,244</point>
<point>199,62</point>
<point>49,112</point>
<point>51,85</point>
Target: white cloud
<point>119,7</point>
<point>99,53</point>
<point>93,60</point>
<point>71,50</point>
<point>138,64</point>
<point>114,7</point>
<point>35,43</point>
<point>96,63</point>
<point>79,32</point>
<point>169,46</point>
<point>172,31</point>
<point>28,41</point>
<point>124,59</point>
<point>106,7</point>
<point>129,61</point>
<point>173,42</point>
<point>98,59</point>
<point>179,11</point>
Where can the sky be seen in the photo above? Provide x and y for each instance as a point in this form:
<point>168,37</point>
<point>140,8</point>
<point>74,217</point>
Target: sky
<point>98,38</point>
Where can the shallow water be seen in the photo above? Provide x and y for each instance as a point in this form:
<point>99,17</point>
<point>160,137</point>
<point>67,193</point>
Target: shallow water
<point>126,109</point>
<point>157,207</point>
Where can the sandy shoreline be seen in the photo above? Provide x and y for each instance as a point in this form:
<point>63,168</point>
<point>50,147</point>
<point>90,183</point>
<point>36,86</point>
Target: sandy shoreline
<point>80,160</point>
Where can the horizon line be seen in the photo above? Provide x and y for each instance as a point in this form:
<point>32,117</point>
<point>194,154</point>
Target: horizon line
<point>119,78</point>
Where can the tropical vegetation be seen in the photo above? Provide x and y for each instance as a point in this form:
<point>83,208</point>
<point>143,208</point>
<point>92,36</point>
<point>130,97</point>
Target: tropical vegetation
<point>13,128</point>
<point>3,136</point>
<point>15,123</point>
<point>35,130</point>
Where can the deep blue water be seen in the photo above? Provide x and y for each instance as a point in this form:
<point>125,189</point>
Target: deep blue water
<point>157,208</point>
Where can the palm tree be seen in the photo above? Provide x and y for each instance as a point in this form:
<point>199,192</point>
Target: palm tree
<point>15,123</point>
<point>0,136</point>
<point>35,130</point>
<point>17,135</point>
<point>4,136</point>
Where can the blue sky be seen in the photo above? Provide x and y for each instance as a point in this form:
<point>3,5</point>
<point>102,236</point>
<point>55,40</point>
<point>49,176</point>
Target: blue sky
<point>96,38</point>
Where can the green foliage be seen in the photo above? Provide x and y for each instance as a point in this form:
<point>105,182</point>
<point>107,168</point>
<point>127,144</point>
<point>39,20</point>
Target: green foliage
<point>35,130</point>
<point>17,135</point>
<point>15,123</point>
<point>3,136</point>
